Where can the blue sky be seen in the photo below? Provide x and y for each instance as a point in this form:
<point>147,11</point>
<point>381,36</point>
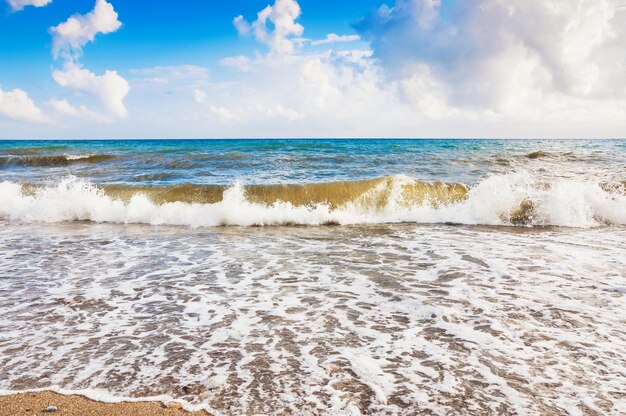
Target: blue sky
<point>200,33</point>
<point>405,68</point>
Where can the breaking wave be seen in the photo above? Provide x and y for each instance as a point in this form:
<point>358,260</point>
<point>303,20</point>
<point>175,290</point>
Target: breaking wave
<point>510,199</point>
<point>538,154</point>
<point>52,160</point>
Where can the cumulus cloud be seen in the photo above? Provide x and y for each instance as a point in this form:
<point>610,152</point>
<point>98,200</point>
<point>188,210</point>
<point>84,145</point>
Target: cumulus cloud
<point>329,91</point>
<point>322,91</point>
<point>241,25</point>
<point>70,36</point>
<point>275,26</point>
<point>477,68</point>
<point>109,88</point>
<point>499,55</point>
<point>63,107</point>
<point>17,105</point>
<point>334,38</point>
<point>17,5</point>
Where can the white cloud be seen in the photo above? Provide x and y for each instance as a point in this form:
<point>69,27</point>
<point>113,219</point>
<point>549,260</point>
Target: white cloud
<point>178,76</point>
<point>241,25</point>
<point>199,96</point>
<point>334,38</point>
<point>109,88</point>
<point>20,4</point>
<point>63,107</point>
<point>222,113</point>
<point>68,39</point>
<point>504,68</point>
<point>479,68</point>
<point>275,26</point>
<point>307,93</point>
<point>243,63</point>
<point>310,93</point>
<point>70,36</point>
<point>17,105</point>
<point>505,55</point>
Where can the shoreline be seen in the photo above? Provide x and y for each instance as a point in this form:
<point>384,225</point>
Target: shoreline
<point>35,402</point>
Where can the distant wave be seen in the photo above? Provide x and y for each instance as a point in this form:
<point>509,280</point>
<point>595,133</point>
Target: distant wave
<point>571,156</point>
<point>510,199</point>
<point>539,154</point>
<point>36,150</point>
<point>52,160</point>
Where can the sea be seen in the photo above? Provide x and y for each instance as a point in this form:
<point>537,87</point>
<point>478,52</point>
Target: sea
<point>317,277</point>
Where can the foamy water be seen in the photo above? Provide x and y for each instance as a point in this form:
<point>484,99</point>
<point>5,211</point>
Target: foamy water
<point>511,199</point>
<point>335,320</point>
<point>318,277</point>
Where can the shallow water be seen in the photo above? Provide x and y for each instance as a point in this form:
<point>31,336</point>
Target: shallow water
<point>387,319</point>
<point>457,277</point>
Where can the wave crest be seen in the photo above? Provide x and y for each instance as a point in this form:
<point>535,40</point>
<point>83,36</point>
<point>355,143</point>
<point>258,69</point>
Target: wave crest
<point>511,199</point>
<point>53,160</point>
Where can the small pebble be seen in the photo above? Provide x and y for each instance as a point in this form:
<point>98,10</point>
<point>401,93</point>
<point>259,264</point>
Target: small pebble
<point>50,409</point>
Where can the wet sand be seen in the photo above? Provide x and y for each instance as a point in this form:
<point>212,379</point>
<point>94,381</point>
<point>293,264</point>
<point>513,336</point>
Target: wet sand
<point>24,404</point>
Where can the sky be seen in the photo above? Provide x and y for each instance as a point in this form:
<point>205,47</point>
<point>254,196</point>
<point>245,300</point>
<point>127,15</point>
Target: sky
<point>312,68</point>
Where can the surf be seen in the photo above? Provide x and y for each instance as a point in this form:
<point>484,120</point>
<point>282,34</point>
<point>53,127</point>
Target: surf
<point>52,160</point>
<point>512,199</point>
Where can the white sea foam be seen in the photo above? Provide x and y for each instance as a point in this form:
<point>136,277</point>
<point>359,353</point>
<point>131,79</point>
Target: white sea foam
<point>69,156</point>
<point>493,201</point>
<point>390,319</point>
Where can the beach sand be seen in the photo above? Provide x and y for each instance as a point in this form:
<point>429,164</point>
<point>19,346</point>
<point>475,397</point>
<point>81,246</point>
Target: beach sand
<point>34,404</point>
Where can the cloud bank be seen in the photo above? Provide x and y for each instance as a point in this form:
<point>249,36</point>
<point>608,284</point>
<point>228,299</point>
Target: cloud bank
<point>479,68</point>
<point>487,54</point>
<point>420,68</point>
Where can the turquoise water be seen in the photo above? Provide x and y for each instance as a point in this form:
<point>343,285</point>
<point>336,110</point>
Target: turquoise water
<point>221,162</point>
<point>576,183</point>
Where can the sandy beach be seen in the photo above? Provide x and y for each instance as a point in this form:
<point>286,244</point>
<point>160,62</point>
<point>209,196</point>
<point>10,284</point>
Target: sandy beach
<point>23,404</point>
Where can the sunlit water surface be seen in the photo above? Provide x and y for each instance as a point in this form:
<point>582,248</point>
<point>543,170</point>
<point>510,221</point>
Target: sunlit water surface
<point>455,277</point>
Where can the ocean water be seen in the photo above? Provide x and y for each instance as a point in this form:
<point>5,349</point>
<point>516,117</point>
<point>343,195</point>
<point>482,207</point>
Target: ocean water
<point>307,277</point>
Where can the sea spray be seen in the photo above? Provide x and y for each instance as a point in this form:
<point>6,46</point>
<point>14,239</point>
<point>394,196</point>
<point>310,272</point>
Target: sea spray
<point>509,199</point>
